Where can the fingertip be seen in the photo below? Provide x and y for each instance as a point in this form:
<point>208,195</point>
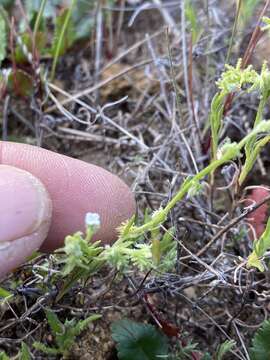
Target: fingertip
<point>75,188</point>
<point>25,216</point>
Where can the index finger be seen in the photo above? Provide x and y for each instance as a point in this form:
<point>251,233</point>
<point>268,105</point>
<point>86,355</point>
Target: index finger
<point>76,188</point>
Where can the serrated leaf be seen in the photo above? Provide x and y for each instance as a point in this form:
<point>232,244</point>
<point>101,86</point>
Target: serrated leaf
<point>224,348</point>
<point>260,349</point>
<point>3,38</point>
<point>82,324</point>
<point>55,324</point>
<point>3,356</point>
<point>136,341</point>
<point>25,352</point>
<point>47,350</point>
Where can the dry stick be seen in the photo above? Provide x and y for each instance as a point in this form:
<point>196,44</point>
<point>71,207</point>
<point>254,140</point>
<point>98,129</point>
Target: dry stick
<point>178,104</point>
<point>120,22</point>
<point>131,48</point>
<point>160,74</point>
<point>190,89</point>
<point>219,327</point>
<point>88,91</point>
<point>229,226</point>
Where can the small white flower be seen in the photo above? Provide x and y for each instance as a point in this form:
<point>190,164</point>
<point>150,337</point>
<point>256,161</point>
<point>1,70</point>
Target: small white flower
<point>92,219</point>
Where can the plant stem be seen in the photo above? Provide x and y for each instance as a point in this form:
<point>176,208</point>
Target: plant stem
<point>59,43</point>
<point>38,20</point>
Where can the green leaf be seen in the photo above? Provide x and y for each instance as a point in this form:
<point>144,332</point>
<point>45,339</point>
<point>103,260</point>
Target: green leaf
<point>25,353</point>
<point>191,15</point>
<point>251,156</point>
<point>156,251</point>
<point>224,348</point>
<point>33,6</point>
<point>260,349</point>
<point>206,356</point>
<point>3,37</point>
<point>61,42</point>
<point>4,293</point>
<point>7,3</point>
<point>3,356</point>
<point>137,341</point>
<point>83,22</point>
<point>167,241</point>
<point>55,324</point>
<point>248,9</point>
<point>40,44</point>
<point>64,334</point>
<point>260,246</point>
<point>21,83</point>
<point>82,324</point>
<point>64,35</point>
<point>47,350</point>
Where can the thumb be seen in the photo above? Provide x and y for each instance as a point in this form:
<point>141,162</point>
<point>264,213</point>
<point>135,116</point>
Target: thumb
<point>25,216</point>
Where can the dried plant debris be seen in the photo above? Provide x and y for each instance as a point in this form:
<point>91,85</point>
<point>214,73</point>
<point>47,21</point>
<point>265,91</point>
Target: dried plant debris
<point>172,96</point>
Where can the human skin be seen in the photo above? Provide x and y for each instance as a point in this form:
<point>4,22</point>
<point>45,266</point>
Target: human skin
<point>48,200</point>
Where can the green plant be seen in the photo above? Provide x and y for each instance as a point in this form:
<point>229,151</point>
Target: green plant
<point>48,30</point>
<point>23,354</point>
<point>64,333</point>
<point>224,348</point>
<point>221,351</point>
<point>63,36</point>
<point>3,356</point>
<point>248,8</point>
<point>260,246</point>
<point>137,341</point>
<point>260,349</point>
<point>184,352</point>
<point>191,15</point>
<point>3,37</point>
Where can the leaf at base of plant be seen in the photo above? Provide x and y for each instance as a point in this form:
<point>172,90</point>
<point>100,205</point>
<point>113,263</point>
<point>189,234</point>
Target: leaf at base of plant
<point>137,341</point>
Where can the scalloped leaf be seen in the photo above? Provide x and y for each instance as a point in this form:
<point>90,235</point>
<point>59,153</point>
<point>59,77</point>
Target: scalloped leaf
<point>260,349</point>
<point>136,341</point>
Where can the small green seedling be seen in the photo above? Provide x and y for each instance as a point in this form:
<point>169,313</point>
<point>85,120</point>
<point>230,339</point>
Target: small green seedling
<point>260,246</point>
<point>221,351</point>
<point>23,354</point>
<point>64,333</point>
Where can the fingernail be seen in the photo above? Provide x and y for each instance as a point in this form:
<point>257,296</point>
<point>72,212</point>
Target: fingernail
<point>24,204</point>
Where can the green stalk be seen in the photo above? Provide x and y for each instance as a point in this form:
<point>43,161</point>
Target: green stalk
<point>57,51</point>
<point>39,18</point>
<point>233,151</point>
<point>235,24</point>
